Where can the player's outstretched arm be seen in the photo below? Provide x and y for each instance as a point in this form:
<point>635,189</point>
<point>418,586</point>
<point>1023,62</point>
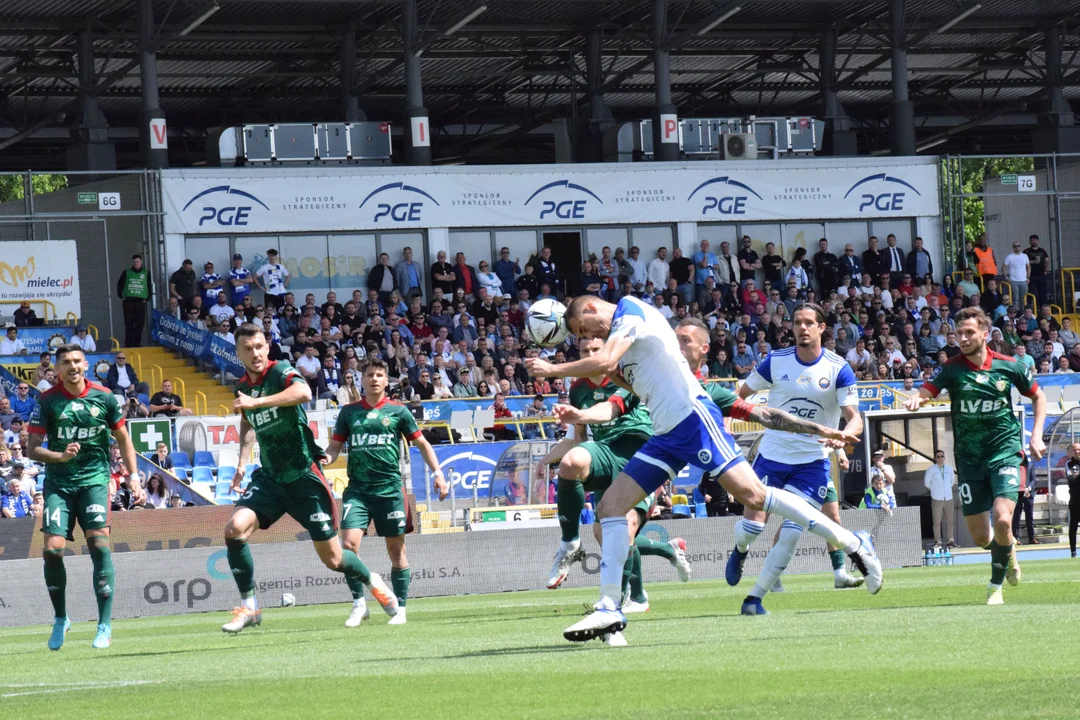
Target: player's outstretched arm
<point>432,461</point>
<point>1038,408</point>
<point>777,419</point>
<point>127,453</point>
<point>598,414</point>
<point>916,401</point>
<point>297,393</point>
<point>605,362</point>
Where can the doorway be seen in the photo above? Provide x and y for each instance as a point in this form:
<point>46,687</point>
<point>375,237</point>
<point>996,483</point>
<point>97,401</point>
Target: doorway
<point>566,252</point>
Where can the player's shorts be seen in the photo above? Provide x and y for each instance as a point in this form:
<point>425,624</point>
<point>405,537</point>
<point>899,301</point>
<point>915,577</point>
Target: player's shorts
<point>979,486</point>
<point>831,496</point>
<point>88,505</point>
<point>699,439</point>
<point>608,458</point>
<point>643,508</point>
<point>359,509</point>
<point>810,481</point>
<point>309,501</point>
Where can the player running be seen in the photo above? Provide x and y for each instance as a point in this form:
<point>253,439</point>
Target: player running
<point>814,383</point>
<point>988,439</point>
<point>373,429</point>
<point>591,466</point>
<point>270,399</point>
<point>687,426</point>
<point>76,418</point>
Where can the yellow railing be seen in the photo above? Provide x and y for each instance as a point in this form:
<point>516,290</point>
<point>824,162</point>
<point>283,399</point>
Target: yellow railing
<point>114,345</point>
<point>92,329</point>
<point>156,376</point>
<point>71,318</point>
<point>45,306</point>
<point>223,411</point>
<point>181,386</point>
<point>136,360</point>
<point>200,394</point>
<point>1068,285</point>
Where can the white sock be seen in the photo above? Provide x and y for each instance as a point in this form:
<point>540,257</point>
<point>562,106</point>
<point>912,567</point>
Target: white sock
<point>778,558</point>
<point>794,508</point>
<point>840,573</point>
<point>571,546</point>
<point>746,532</point>
<point>250,603</point>
<point>613,553</point>
<point>358,602</point>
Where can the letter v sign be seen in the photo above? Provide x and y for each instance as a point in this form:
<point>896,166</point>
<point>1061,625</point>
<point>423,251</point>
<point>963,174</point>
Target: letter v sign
<point>159,139</point>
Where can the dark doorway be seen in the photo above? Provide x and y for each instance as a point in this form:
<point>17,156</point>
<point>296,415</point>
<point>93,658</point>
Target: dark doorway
<point>566,252</point>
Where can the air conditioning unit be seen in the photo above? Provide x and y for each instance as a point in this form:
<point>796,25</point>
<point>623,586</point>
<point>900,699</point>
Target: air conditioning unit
<point>739,146</point>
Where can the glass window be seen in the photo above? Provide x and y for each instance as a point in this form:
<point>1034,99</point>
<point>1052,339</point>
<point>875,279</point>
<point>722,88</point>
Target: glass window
<point>900,228</point>
<point>597,238</point>
<point>795,236</point>
<point>202,249</point>
<point>351,257</point>
<point>394,244</point>
<point>475,244</point>
<point>650,239</point>
<point>306,258</point>
<point>842,233</point>
<point>715,233</point>
<point>521,243</point>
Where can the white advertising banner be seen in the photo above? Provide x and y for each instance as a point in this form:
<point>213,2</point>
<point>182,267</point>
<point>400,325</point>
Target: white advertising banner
<point>298,200</point>
<point>215,433</point>
<point>43,270</point>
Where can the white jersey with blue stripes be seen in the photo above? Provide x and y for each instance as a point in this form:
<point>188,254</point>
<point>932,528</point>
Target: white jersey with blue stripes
<point>814,391</point>
<point>654,365</point>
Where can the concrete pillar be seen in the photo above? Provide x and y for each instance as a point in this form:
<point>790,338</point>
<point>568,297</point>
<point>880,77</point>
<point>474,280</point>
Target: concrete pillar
<point>91,149</point>
<point>153,137</point>
<point>901,111</point>
<point>417,127</point>
<point>599,122</point>
<point>350,100</point>
<point>1058,133</point>
<point>839,138</point>
<point>665,115</point>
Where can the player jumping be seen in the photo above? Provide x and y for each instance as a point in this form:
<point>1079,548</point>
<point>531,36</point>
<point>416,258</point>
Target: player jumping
<point>76,417</point>
<point>591,466</point>
<point>373,429</point>
<point>988,439</point>
<point>814,383</point>
<point>688,427</point>
<point>270,399</point>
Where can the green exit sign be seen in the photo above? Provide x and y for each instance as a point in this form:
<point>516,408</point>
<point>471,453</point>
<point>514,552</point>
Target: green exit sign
<point>1008,179</point>
<point>90,198</point>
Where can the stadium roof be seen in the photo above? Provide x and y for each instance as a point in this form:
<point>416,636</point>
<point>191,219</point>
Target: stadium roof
<point>521,63</point>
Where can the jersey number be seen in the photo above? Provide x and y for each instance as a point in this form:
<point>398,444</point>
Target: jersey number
<point>250,491</point>
<point>345,510</point>
<point>54,517</point>
<point>965,493</point>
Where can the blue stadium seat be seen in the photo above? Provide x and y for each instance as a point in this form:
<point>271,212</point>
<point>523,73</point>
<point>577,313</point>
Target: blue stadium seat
<point>682,511</point>
<point>181,463</point>
<point>144,399</point>
<point>698,496</point>
<point>225,473</point>
<point>700,510</point>
<point>252,467</point>
<point>204,458</point>
<point>221,489</point>
<point>202,474</point>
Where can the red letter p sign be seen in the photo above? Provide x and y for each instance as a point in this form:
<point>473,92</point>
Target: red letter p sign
<point>669,125</point>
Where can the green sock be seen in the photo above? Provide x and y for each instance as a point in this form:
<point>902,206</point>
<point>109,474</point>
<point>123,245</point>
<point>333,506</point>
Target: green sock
<point>56,581</point>
<point>999,561</point>
<point>648,546</point>
<point>399,580</point>
<point>242,566</point>
<point>104,576</point>
<point>637,584</point>
<point>837,557</point>
<point>570,501</point>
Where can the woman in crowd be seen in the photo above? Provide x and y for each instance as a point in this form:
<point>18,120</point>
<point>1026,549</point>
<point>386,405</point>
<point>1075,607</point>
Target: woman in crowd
<point>348,393</point>
<point>489,280</point>
<point>157,495</point>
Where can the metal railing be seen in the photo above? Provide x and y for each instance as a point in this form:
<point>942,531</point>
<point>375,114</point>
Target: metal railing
<point>180,385</point>
<point>200,395</point>
<point>45,305</point>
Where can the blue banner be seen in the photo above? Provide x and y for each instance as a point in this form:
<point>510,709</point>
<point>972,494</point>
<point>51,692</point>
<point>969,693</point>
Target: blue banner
<point>37,340</point>
<point>223,355</point>
<point>177,334</point>
<point>440,410</point>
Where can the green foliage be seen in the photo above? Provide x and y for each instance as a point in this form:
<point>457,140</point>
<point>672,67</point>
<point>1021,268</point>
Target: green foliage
<point>13,187</point>
<point>975,172</point>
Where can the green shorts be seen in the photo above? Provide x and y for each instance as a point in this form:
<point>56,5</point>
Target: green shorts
<point>89,505</point>
<point>643,508</point>
<point>608,458</point>
<point>359,509</point>
<point>830,494</point>
<point>309,501</point>
<point>979,486</point>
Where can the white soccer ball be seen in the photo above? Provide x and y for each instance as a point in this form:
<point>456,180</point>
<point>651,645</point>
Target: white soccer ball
<point>288,600</point>
<point>546,322</point>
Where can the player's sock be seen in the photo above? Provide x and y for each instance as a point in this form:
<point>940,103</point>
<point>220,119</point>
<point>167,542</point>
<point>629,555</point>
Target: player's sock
<point>637,584</point>
<point>104,576</point>
<point>999,562</point>
<point>797,510</point>
<point>648,546</point>
<point>570,501</point>
<point>56,581</point>
<point>615,548</point>
<point>746,532</point>
<point>778,558</point>
<point>353,568</point>
<point>838,562</point>
<point>399,580</point>
<point>243,570</point>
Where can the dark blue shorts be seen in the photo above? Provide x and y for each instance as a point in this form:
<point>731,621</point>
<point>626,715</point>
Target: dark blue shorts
<point>808,480</point>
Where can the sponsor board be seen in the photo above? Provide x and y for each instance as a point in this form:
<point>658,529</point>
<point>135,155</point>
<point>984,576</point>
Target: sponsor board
<point>242,201</point>
<point>41,270</point>
<point>197,579</point>
<point>146,434</point>
<point>215,433</point>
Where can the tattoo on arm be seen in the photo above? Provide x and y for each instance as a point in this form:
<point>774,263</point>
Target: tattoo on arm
<point>776,419</point>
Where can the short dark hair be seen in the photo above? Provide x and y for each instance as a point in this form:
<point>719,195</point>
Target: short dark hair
<point>247,330</point>
<point>137,255</point>
<point>68,348</point>
<point>376,363</point>
<point>819,312</point>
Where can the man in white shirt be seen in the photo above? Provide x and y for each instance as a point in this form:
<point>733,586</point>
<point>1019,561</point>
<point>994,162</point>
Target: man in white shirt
<point>84,340</point>
<point>12,345</point>
<point>273,279</point>
<point>308,364</point>
<point>658,269</point>
<point>47,381</point>
<point>1018,273</point>
<point>221,310</point>
<point>858,357</point>
<point>640,274</point>
<point>939,480</point>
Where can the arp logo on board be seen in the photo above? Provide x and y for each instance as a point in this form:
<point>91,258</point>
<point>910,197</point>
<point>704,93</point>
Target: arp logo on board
<point>728,200</point>
<point>399,203</point>
<point>563,205</point>
<point>233,214</point>
<point>881,193</point>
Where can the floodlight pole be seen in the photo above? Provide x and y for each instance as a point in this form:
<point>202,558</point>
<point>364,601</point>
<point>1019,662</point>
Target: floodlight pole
<point>418,127</point>
<point>153,137</point>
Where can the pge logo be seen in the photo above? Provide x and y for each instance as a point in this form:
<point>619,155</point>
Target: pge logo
<point>231,215</point>
<point>888,197</point>
<point>408,208</point>
<point>564,208</point>
<point>470,470</point>
<point>733,203</point>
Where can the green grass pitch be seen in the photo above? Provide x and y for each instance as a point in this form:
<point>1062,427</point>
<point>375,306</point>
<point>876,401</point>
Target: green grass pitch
<point>926,647</point>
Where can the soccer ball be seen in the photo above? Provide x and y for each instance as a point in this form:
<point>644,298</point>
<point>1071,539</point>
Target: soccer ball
<point>288,600</point>
<point>546,322</point>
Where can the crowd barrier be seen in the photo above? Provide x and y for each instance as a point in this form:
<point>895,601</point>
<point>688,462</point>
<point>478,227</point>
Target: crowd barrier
<point>196,577</point>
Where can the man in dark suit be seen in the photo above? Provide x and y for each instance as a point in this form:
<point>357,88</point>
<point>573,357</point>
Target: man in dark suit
<point>892,260</point>
<point>871,259</point>
<point>381,279</point>
<point>850,264</point>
